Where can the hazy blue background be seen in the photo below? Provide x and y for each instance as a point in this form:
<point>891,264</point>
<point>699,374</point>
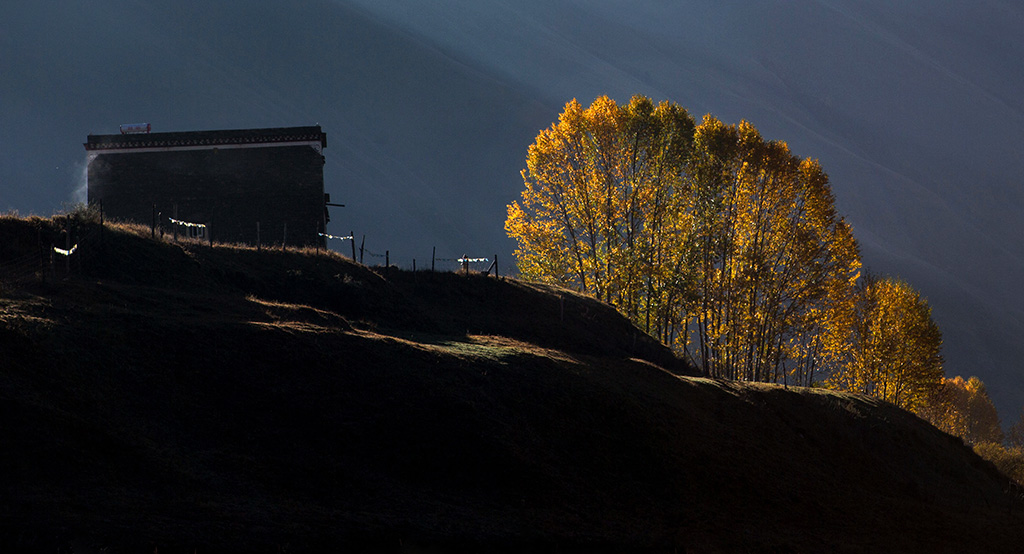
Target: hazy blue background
<point>915,110</point>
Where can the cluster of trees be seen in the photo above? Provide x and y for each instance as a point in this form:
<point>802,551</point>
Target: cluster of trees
<point>722,244</point>
<point>728,248</point>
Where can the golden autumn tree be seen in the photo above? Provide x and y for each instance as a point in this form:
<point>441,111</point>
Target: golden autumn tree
<point>894,347</point>
<point>599,212</point>
<point>963,408</point>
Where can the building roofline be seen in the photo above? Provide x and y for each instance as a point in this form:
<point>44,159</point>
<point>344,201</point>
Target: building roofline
<point>200,139</point>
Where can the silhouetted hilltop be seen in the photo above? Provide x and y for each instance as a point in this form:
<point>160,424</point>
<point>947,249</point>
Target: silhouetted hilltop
<point>189,398</point>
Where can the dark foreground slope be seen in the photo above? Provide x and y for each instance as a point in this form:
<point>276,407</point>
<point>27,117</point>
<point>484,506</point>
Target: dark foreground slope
<point>227,400</point>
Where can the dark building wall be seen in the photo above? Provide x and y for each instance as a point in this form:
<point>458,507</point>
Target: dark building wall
<point>229,187</point>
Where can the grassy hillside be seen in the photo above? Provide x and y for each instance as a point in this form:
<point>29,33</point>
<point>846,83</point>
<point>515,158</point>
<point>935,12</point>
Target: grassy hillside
<point>228,400</point>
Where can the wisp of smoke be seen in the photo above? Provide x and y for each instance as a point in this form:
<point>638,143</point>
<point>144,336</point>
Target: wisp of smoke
<point>80,194</point>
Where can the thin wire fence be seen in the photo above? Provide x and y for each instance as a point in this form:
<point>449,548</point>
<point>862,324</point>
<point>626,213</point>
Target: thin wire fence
<point>74,236</point>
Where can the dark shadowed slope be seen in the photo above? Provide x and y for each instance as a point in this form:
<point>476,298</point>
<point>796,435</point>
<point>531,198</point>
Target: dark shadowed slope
<point>228,400</point>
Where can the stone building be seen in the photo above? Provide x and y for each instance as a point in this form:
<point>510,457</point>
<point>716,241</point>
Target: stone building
<point>242,186</point>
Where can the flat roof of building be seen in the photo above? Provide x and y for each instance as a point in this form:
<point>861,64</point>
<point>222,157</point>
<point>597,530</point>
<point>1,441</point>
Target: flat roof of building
<point>208,139</point>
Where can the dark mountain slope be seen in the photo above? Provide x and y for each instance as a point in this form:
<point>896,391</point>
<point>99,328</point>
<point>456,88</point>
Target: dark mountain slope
<point>227,400</point>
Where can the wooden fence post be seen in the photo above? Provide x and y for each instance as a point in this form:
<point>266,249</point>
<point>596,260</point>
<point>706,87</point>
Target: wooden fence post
<point>67,247</point>
<point>42,258</point>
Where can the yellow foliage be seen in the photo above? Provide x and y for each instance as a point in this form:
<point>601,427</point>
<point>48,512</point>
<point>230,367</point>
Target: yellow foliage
<point>708,236</point>
<point>597,212</point>
<point>774,257</point>
<point>891,348</point>
<point>963,408</point>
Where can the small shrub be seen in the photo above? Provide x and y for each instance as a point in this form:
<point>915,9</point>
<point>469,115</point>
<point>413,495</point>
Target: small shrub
<point>85,213</point>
